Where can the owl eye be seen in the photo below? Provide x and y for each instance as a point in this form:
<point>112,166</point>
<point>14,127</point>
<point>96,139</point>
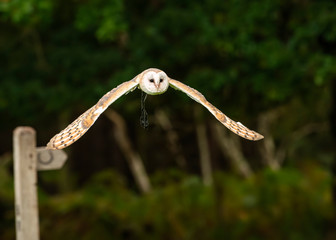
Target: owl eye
<point>151,80</point>
<point>161,79</point>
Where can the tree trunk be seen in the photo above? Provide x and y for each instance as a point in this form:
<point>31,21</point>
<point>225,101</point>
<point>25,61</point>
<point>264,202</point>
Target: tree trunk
<point>203,147</point>
<point>231,148</point>
<point>133,158</point>
<point>172,137</point>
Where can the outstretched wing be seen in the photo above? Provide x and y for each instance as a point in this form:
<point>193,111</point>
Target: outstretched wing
<point>235,127</point>
<point>79,127</point>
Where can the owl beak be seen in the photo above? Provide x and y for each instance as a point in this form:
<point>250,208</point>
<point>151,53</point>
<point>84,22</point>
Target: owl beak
<point>157,85</point>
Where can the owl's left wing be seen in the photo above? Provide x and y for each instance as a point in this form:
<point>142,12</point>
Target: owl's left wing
<point>235,127</point>
<point>80,126</point>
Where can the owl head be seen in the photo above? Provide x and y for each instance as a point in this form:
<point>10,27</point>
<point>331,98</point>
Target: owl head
<point>154,81</point>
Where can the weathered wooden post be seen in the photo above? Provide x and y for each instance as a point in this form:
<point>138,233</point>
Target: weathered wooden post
<point>25,174</point>
<point>27,161</point>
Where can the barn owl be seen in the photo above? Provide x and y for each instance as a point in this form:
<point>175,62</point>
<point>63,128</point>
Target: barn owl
<point>153,82</point>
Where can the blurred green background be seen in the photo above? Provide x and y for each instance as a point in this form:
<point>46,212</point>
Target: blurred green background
<point>269,64</point>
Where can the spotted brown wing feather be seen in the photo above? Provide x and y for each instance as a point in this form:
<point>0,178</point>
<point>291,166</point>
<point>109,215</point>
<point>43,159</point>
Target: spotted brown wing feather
<point>80,126</point>
<point>235,127</point>
<point>73,131</point>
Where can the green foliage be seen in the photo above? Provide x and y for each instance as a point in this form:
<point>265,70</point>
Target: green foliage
<point>28,13</point>
<point>105,18</point>
<point>7,212</point>
<point>270,205</point>
<point>267,50</point>
<point>62,56</point>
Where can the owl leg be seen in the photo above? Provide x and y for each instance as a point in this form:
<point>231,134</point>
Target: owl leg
<point>144,115</point>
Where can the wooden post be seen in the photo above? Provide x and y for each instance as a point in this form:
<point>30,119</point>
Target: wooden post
<point>25,174</point>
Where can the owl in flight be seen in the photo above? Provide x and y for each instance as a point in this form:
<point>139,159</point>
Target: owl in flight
<point>154,82</point>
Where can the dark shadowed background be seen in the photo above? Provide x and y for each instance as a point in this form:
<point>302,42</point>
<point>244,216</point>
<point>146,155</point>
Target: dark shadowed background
<point>269,64</point>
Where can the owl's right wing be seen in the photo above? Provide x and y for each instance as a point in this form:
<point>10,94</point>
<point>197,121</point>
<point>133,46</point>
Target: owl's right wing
<point>235,127</point>
<point>80,126</point>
